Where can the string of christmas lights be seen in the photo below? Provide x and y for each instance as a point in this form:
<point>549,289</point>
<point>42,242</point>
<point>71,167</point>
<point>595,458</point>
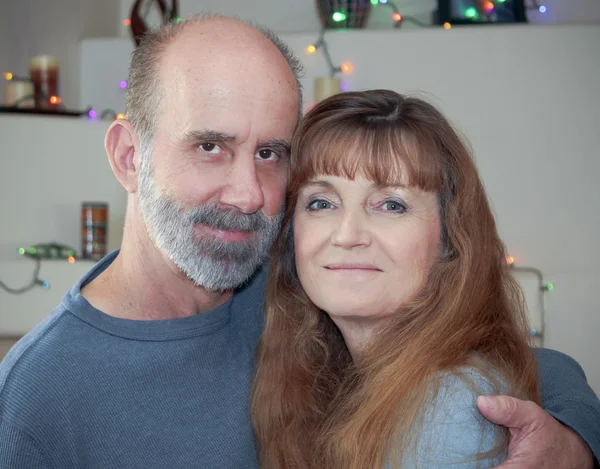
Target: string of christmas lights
<point>543,288</point>
<point>54,100</point>
<point>90,112</point>
<point>483,9</point>
<point>535,5</point>
<point>93,114</point>
<point>397,18</point>
<point>35,281</point>
<point>347,67</point>
<point>321,43</point>
<point>510,260</point>
<point>487,7</point>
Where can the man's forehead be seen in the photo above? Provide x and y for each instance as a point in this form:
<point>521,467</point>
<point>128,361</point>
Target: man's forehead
<point>191,61</point>
<point>210,91</point>
<point>227,118</point>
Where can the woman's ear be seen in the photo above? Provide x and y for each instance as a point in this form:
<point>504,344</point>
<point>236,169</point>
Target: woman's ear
<point>122,147</point>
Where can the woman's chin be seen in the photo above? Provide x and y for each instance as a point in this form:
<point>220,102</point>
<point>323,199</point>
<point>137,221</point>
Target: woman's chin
<point>351,310</point>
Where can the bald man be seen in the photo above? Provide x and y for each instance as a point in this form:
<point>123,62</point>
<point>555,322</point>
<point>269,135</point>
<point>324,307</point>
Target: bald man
<point>147,362</point>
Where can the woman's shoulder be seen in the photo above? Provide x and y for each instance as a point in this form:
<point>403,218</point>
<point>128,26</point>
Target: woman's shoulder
<point>465,384</point>
<point>452,432</point>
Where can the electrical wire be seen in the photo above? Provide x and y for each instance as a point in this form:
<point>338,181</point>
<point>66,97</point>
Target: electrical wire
<point>35,281</point>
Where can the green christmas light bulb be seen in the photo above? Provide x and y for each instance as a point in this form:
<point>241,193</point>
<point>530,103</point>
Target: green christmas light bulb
<point>338,16</point>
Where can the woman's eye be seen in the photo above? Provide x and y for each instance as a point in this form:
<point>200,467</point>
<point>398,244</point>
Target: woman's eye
<point>394,206</point>
<point>210,147</point>
<point>318,204</point>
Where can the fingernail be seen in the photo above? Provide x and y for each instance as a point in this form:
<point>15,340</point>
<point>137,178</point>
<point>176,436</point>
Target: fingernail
<point>488,402</point>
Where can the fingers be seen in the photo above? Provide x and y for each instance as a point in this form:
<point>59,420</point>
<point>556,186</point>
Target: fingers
<point>510,412</point>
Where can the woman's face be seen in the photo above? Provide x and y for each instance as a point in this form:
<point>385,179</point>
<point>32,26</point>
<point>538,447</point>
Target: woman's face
<point>363,250</point>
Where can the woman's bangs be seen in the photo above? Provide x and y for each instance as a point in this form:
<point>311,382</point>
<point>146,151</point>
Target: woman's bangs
<point>386,156</point>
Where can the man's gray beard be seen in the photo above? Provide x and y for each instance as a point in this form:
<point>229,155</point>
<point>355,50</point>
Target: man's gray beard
<point>209,262</point>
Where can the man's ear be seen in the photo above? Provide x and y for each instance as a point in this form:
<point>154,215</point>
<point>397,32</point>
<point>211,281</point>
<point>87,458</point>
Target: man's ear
<point>123,150</point>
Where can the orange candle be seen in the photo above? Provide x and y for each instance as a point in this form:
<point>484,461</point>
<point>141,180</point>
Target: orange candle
<point>44,74</point>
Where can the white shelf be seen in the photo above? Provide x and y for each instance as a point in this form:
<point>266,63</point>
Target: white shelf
<point>19,313</point>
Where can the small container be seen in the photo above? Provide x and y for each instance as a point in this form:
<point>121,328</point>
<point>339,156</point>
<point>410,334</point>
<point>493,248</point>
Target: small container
<point>43,70</point>
<point>326,87</point>
<point>94,230</point>
<point>19,94</point>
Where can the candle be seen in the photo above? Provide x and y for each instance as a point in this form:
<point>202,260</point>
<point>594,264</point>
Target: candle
<point>19,93</point>
<point>44,74</point>
<point>326,86</point>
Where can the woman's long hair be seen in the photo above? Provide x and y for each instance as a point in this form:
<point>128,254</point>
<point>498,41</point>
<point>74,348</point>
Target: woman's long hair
<point>312,407</point>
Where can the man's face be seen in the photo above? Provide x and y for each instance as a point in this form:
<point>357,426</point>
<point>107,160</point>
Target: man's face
<point>212,182</point>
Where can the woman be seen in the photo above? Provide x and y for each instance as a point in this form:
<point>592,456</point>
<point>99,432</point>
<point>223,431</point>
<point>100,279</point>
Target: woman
<point>389,306</point>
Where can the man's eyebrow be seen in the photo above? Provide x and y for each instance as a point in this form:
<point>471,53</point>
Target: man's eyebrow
<point>276,144</point>
<point>208,136</point>
<point>195,136</point>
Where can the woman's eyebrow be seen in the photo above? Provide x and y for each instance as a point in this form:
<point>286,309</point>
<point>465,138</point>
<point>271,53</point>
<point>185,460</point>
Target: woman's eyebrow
<point>319,183</point>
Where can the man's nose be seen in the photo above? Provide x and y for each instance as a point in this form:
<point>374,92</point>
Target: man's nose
<point>243,188</point>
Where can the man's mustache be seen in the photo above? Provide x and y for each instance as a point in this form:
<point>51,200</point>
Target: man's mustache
<point>229,220</point>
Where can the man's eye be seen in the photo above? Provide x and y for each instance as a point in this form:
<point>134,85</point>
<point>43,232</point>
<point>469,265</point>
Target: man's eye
<point>266,154</point>
<point>210,147</point>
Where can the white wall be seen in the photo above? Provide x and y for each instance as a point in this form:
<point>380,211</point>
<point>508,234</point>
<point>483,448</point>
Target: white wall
<point>4,44</point>
<point>48,166</point>
<point>576,11</point>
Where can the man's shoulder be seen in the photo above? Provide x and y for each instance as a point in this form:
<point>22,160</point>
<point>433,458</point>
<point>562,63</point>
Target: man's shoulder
<point>29,367</point>
<point>28,346</point>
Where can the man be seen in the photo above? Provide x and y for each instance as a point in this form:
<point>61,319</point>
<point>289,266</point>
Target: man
<point>148,360</point>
